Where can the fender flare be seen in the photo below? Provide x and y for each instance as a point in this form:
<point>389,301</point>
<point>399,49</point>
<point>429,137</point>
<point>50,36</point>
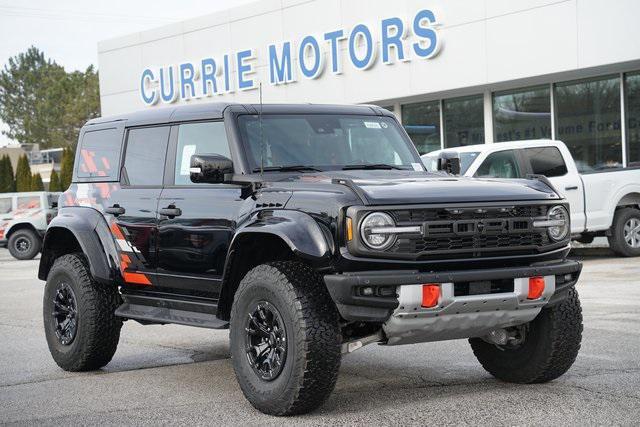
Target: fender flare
<point>303,234</point>
<point>92,233</point>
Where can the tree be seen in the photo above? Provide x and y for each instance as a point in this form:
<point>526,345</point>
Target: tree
<point>23,174</point>
<point>36,182</point>
<point>7,182</point>
<point>66,168</point>
<point>42,103</point>
<point>54,181</point>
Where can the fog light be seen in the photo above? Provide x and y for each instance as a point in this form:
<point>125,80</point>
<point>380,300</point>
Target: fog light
<point>367,292</point>
<point>536,287</point>
<point>430,295</point>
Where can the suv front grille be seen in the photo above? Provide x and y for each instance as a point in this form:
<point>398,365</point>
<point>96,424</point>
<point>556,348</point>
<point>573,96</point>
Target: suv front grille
<point>471,232</point>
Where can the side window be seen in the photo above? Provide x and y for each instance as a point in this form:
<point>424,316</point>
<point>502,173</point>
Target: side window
<point>5,205</point>
<point>28,202</point>
<point>145,154</point>
<point>99,154</point>
<point>198,138</point>
<point>546,161</point>
<point>501,164</point>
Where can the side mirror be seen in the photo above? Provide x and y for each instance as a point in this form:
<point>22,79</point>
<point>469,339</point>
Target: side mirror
<point>209,168</point>
<point>449,162</point>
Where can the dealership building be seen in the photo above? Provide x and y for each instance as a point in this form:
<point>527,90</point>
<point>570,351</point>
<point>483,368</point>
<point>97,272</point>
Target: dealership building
<point>455,72</point>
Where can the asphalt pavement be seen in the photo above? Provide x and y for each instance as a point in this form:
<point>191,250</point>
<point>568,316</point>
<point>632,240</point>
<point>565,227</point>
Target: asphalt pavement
<point>180,375</point>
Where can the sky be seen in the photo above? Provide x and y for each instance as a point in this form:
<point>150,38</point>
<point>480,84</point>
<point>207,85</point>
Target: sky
<point>68,31</point>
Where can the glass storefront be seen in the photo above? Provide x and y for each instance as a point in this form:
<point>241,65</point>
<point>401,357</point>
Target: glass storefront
<point>422,123</point>
<point>632,101</point>
<point>522,114</point>
<point>588,122</point>
<point>463,121</point>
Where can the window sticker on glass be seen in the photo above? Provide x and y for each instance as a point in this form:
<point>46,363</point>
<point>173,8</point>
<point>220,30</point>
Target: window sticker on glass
<point>187,152</point>
<point>372,125</point>
<point>417,167</point>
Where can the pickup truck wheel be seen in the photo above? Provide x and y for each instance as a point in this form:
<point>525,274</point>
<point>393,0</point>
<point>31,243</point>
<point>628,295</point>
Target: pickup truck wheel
<point>81,328</point>
<point>285,338</point>
<point>24,244</point>
<point>625,232</point>
<point>549,348</point>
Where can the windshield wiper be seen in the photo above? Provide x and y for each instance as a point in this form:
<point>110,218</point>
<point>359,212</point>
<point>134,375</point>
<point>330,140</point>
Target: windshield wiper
<point>291,168</point>
<point>372,166</point>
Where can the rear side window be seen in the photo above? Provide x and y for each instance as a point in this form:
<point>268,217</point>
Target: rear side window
<point>5,205</point>
<point>546,161</point>
<point>145,154</point>
<point>99,154</point>
<point>198,138</point>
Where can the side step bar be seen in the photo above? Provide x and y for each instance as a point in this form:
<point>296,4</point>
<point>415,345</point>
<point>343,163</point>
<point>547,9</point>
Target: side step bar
<point>152,309</point>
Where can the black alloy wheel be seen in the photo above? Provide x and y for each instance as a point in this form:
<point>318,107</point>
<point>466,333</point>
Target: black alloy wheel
<point>266,341</point>
<point>65,314</point>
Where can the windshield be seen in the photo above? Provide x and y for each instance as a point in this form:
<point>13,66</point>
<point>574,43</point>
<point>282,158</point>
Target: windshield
<point>466,159</point>
<point>326,142</point>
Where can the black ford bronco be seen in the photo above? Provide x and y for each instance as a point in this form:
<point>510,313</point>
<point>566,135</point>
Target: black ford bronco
<point>308,231</point>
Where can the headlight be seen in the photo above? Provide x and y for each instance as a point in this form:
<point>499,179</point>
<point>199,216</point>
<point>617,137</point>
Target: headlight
<point>374,222</point>
<point>559,217</point>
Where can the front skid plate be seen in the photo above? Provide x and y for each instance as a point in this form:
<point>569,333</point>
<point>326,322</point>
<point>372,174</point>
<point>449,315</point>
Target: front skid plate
<point>461,316</point>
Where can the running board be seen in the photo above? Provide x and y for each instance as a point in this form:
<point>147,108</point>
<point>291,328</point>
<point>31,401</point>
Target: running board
<point>162,315</point>
<point>148,309</point>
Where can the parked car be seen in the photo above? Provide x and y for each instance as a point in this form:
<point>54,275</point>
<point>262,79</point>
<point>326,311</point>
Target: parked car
<point>604,202</point>
<point>309,231</point>
<point>23,220</point>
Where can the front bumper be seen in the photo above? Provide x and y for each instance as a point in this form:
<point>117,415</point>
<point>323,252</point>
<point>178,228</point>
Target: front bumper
<point>455,316</point>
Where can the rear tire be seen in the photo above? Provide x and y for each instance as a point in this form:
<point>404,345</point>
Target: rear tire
<point>79,316</point>
<point>551,346</point>
<point>623,240</point>
<point>307,350</point>
<point>24,244</point>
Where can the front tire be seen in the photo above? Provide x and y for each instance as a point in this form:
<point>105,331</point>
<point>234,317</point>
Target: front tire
<point>79,316</point>
<point>286,306</point>
<point>24,244</point>
<point>551,345</point>
<point>625,232</point>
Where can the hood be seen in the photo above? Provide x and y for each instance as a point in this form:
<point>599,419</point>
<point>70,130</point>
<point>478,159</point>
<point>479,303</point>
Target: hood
<point>390,187</point>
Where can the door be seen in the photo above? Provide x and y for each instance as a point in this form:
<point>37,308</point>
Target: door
<point>196,221</point>
<point>134,204</point>
<point>6,213</point>
<point>548,161</point>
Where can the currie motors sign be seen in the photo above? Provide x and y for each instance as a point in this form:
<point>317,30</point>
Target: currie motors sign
<point>218,75</point>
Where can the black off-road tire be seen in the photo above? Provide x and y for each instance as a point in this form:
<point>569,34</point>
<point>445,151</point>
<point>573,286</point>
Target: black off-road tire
<point>617,242</point>
<point>28,236</point>
<point>98,329</point>
<point>310,317</point>
<point>550,348</point>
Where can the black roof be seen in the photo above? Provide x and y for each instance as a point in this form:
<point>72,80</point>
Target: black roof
<point>215,110</point>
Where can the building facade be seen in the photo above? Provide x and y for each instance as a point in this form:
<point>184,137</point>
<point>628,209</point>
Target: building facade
<point>455,72</point>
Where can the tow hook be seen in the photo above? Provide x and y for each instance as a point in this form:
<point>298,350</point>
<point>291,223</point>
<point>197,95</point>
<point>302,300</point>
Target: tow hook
<point>351,346</point>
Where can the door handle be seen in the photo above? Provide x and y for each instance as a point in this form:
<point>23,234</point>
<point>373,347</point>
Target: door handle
<point>574,187</point>
<point>170,211</point>
<point>115,210</point>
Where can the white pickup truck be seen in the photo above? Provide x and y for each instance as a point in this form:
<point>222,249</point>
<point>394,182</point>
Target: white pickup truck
<point>603,203</point>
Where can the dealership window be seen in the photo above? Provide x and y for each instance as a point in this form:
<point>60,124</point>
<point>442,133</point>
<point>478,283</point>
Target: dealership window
<point>588,121</point>
<point>145,154</point>
<point>632,89</point>
<point>463,121</point>
<point>422,123</point>
<point>198,138</point>
<point>522,114</point>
